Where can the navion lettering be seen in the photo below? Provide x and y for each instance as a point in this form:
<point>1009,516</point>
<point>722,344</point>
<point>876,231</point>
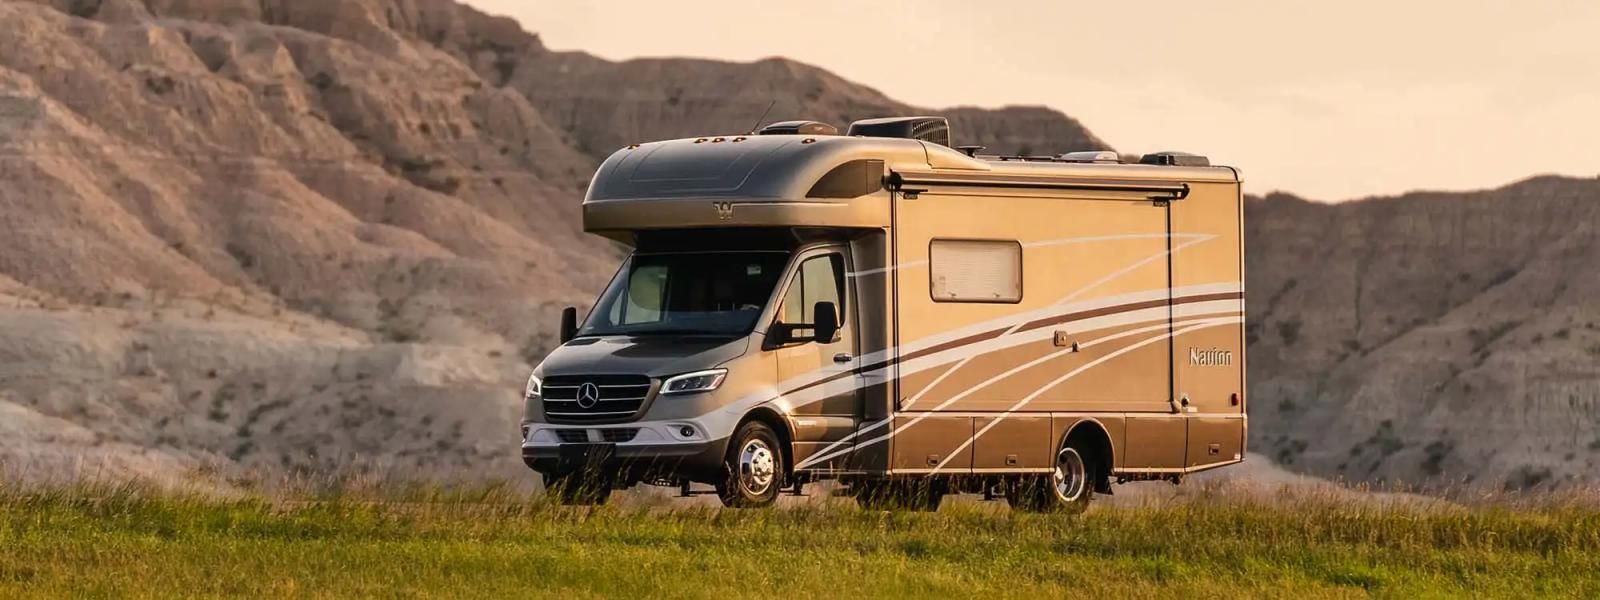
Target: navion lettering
<point>1215,357</point>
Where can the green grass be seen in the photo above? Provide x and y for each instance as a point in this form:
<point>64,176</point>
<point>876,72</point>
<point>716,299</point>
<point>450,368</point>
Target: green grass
<point>130,541</point>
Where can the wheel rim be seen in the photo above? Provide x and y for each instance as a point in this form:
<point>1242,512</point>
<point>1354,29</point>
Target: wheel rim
<point>1071,479</point>
<point>757,467</point>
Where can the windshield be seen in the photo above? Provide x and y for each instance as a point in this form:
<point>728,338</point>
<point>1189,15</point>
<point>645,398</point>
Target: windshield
<point>687,293</point>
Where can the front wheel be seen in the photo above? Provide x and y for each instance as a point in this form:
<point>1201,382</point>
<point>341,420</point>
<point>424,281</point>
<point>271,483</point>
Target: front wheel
<point>1066,490</point>
<point>753,468</point>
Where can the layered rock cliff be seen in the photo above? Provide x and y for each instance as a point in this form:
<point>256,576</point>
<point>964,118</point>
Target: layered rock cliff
<point>300,235</point>
<point>264,235</point>
<point>1429,338</point>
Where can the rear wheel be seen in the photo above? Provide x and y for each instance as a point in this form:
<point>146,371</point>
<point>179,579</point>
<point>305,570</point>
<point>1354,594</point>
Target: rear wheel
<point>753,469</point>
<point>578,489</point>
<point>1066,490</point>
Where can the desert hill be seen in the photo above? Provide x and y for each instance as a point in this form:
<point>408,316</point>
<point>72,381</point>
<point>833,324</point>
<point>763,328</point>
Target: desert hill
<point>260,235</point>
<point>607,105</point>
<point>1430,335</point>
<point>308,234</point>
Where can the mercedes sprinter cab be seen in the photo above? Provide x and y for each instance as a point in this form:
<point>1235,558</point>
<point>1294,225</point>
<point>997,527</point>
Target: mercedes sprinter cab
<point>912,320</point>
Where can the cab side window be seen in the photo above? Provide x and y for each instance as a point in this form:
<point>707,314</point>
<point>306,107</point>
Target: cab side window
<point>647,294</point>
<point>820,279</point>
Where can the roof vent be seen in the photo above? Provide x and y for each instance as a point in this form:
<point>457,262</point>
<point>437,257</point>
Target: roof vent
<point>799,128</point>
<point>1099,157</point>
<point>928,129</point>
<point>1175,159</point>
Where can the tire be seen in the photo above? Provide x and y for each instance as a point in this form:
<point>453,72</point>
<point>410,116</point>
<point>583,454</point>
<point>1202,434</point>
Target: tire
<point>1066,491</point>
<point>575,489</point>
<point>894,495</point>
<point>753,468</point>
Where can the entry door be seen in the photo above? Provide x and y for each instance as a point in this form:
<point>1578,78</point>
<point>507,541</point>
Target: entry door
<point>827,408</point>
<point>1157,428</point>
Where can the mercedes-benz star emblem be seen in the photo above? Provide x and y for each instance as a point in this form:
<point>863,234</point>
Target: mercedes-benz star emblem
<point>588,395</point>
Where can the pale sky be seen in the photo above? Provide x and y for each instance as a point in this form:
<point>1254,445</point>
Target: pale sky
<point>1328,100</point>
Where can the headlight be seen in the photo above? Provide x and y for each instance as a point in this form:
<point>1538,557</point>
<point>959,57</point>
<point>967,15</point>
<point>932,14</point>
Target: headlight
<point>532,391</point>
<point>698,381</point>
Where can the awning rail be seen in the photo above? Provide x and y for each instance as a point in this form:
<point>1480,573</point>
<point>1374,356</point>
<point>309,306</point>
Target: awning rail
<point>913,183</point>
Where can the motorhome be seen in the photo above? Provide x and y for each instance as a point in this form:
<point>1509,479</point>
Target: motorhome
<point>907,318</point>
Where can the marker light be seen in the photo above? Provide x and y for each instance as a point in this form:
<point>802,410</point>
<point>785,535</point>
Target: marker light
<point>698,381</point>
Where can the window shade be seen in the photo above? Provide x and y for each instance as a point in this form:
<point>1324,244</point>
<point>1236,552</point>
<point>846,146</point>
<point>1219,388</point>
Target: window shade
<point>975,271</point>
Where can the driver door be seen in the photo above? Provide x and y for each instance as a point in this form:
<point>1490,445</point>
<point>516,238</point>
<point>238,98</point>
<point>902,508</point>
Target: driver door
<point>827,397</point>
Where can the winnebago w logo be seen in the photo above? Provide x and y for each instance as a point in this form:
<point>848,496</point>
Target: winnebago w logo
<point>724,210</point>
<point>1215,357</point>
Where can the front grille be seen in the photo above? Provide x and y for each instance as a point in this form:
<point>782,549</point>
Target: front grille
<point>620,398</point>
<point>573,436</point>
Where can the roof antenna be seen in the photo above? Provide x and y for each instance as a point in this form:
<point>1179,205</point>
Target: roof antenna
<point>763,116</point>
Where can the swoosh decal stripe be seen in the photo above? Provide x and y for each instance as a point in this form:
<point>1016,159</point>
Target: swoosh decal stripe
<point>1184,328</point>
<point>1110,310</point>
<point>995,333</point>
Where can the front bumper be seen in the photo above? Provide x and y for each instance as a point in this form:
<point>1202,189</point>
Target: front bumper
<point>651,452</point>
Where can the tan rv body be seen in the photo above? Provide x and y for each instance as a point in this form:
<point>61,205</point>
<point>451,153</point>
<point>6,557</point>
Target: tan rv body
<point>1122,327</point>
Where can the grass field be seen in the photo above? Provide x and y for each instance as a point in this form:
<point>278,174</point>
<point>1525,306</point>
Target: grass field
<point>131,541</point>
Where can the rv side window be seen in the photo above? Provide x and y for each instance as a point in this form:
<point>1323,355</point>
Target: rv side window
<point>820,279</point>
<point>975,271</point>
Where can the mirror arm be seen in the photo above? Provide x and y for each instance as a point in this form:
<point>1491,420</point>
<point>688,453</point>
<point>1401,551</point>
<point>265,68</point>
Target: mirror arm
<point>780,335</point>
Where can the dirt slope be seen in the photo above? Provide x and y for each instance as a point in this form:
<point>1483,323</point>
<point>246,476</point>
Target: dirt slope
<point>288,234</point>
<point>1431,336</point>
<point>607,105</point>
<point>282,234</point>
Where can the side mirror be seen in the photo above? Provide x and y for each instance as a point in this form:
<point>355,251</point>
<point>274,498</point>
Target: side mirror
<point>569,324</point>
<point>825,319</point>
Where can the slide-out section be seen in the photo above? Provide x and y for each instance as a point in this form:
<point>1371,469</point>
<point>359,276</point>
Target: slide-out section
<point>1014,305</point>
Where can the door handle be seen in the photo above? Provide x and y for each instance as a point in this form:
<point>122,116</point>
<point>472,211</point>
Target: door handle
<point>842,357</point>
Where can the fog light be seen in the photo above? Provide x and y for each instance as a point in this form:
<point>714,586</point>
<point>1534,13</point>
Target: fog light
<point>686,431</point>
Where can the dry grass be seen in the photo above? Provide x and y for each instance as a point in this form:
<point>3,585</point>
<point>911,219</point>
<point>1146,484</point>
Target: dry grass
<point>356,538</point>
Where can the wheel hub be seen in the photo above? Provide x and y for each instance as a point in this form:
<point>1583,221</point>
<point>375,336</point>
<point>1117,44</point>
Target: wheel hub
<point>1070,476</point>
<point>757,467</point>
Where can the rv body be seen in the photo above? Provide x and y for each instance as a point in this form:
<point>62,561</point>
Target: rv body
<point>901,316</point>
